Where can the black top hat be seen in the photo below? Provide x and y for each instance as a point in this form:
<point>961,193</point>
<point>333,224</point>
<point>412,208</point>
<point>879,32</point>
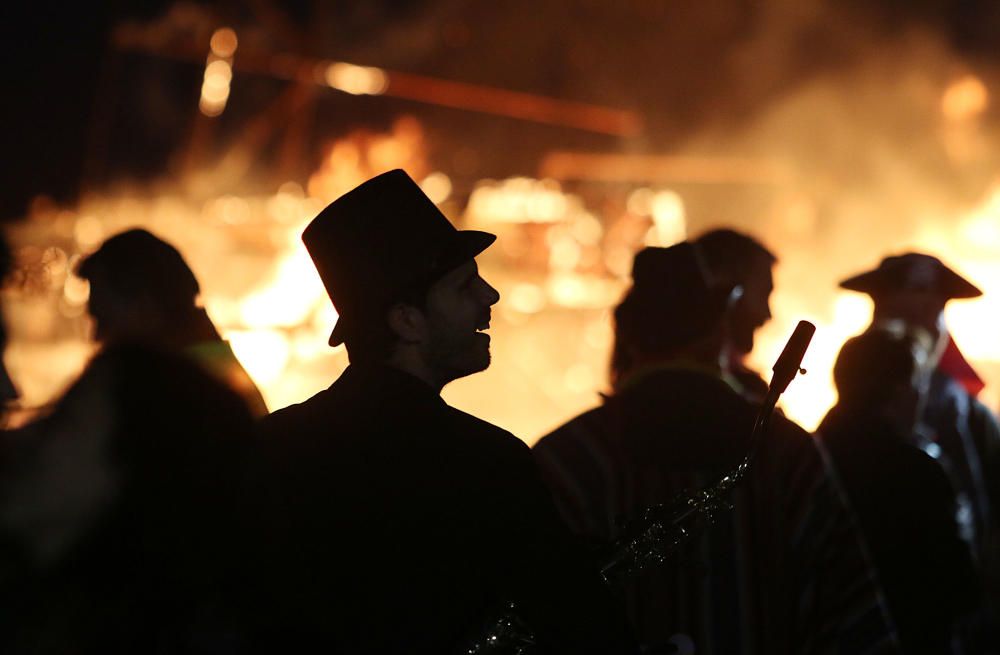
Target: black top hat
<point>381,241</point>
<point>912,272</point>
<point>673,299</point>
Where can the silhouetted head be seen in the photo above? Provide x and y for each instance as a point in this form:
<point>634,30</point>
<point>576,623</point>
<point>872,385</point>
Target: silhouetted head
<point>141,289</point>
<point>735,258</point>
<point>404,281</point>
<point>8,392</point>
<point>878,372</point>
<point>912,288</point>
<point>673,309</point>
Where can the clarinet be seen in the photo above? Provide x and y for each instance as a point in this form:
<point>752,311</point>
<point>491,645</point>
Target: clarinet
<point>660,530</point>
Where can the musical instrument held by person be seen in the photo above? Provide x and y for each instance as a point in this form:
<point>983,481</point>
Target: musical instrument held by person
<point>659,531</point>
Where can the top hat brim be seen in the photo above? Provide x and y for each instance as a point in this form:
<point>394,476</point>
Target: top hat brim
<point>874,282</point>
<point>465,245</point>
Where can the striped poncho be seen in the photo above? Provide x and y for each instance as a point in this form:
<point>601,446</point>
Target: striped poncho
<point>785,571</point>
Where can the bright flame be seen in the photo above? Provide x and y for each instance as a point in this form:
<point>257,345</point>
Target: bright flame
<point>291,296</point>
<point>669,225</point>
<point>356,80</point>
<point>263,353</point>
<point>810,396</point>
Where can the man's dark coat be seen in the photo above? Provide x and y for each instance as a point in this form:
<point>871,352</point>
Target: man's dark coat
<point>395,523</point>
<point>906,507</point>
<point>783,572</point>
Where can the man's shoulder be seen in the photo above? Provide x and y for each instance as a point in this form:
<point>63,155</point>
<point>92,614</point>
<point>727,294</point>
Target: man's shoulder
<point>306,416</point>
<point>585,426</point>
<point>483,432</point>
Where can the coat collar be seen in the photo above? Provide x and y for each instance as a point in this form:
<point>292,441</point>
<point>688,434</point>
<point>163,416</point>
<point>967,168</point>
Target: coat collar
<point>384,380</point>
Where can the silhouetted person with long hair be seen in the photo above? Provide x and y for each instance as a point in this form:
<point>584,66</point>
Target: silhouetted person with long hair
<point>785,571</point>
<point>142,291</point>
<point>123,505</point>
<point>904,500</point>
<point>397,522</point>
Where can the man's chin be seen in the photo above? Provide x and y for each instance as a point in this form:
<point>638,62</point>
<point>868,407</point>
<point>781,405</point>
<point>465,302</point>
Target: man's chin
<point>743,343</point>
<point>470,365</point>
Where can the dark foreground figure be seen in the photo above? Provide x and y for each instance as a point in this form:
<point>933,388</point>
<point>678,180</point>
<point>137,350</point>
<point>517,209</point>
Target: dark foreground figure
<point>904,500</point>
<point>394,522</point>
<point>117,513</point>
<point>785,571</point>
<point>142,291</point>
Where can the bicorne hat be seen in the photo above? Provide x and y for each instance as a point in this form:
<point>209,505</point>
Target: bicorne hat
<point>381,241</point>
<point>673,299</point>
<point>912,272</point>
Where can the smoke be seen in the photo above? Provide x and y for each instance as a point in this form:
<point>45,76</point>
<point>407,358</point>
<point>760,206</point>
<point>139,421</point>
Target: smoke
<point>890,145</point>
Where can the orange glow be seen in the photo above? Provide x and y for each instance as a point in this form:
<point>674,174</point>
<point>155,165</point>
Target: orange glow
<point>289,298</point>
<point>965,98</point>
<point>356,80</point>
<point>811,395</point>
<point>263,353</point>
<point>437,186</point>
<point>215,87</point>
<point>669,227</point>
<point>562,260</point>
<point>521,200</point>
<point>224,42</point>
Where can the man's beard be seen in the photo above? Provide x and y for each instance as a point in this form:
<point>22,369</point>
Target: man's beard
<point>453,357</point>
<point>741,336</point>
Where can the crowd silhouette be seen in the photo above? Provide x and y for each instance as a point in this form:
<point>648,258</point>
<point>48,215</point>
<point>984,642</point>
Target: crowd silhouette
<point>157,508</point>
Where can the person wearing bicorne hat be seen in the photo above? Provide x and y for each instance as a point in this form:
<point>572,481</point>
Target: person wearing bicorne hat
<point>392,522</point>
<point>909,292</point>
<point>784,572</point>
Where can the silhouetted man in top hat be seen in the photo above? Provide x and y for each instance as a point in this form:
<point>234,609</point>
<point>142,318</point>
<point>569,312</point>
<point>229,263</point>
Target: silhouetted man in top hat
<point>736,258</point>
<point>785,571</point>
<point>397,523</point>
<point>143,292</point>
<point>910,291</point>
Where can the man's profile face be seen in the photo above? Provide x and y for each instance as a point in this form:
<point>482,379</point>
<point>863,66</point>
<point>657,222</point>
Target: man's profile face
<point>457,312</point>
<point>753,309</point>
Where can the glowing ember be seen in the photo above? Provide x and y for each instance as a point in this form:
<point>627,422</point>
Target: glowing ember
<point>356,80</point>
<point>218,72</point>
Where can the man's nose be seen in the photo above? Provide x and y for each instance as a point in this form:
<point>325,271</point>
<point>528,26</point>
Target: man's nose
<point>489,295</point>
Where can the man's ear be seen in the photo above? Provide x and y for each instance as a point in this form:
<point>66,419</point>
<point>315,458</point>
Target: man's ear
<point>407,322</point>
